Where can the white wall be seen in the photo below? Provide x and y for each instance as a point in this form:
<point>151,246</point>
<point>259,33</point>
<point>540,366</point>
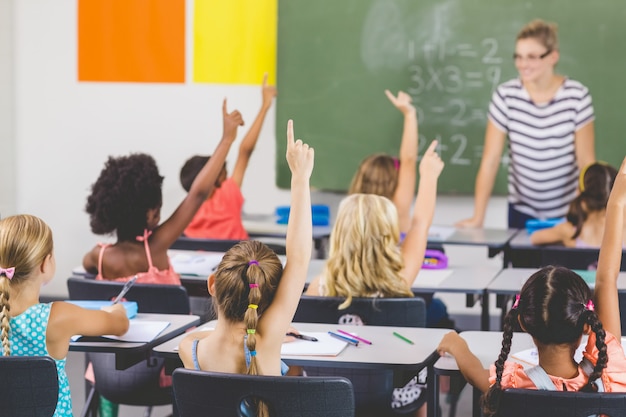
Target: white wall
<point>7,99</point>
<point>64,131</point>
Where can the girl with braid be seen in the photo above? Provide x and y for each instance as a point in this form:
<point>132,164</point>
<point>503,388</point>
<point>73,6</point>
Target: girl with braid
<point>556,308</point>
<point>254,297</point>
<point>31,328</point>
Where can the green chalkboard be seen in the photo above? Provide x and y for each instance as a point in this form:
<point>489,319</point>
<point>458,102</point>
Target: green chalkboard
<point>336,57</point>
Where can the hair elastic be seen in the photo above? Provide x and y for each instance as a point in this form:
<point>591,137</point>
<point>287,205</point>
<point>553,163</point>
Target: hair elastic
<point>589,306</point>
<point>251,331</point>
<point>254,306</point>
<point>516,303</point>
<point>8,272</point>
<point>396,163</point>
<point>254,285</point>
<point>253,353</point>
<point>253,262</point>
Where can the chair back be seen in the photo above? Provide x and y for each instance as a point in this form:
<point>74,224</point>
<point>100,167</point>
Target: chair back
<point>200,393</point>
<point>221,245</point>
<point>404,312</point>
<point>150,298</point>
<point>29,386</point>
<point>537,403</point>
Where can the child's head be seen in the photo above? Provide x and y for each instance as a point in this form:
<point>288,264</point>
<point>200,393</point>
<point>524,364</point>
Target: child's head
<point>192,168</point>
<point>594,187</point>
<point>244,286</point>
<point>126,197</point>
<point>364,258</point>
<point>555,307</point>
<point>377,174</point>
<point>543,32</point>
<point>25,242</point>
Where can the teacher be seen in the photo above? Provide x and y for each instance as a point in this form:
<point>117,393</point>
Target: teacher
<point>548,119</point>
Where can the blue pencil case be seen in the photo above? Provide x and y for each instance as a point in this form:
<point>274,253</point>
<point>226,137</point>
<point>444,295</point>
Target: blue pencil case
<point>533,225</point>
<point>130,306</point>
<point>319,212</point>
<point>435,259</point>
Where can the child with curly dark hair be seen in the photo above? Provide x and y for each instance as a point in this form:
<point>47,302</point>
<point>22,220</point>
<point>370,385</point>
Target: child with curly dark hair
<point>126,199</point>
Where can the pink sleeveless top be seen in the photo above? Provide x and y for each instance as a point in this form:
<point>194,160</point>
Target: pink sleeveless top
<point>152,276</point>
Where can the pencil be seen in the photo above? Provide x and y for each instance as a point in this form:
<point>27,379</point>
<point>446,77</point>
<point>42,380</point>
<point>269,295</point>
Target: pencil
<point>399,336</point>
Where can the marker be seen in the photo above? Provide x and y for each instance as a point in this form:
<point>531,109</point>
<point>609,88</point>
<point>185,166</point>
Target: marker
<point>302,337</point>
<point>125,289</point>
<point>399,336</point>
<point>354,337</point>
<point>350,340</point>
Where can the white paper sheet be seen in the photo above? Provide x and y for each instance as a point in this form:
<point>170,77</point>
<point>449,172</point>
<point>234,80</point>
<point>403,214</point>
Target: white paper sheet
<point>326,345</point>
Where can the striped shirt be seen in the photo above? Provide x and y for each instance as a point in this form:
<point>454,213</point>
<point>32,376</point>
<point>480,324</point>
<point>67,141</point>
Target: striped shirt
<point>543,173</point>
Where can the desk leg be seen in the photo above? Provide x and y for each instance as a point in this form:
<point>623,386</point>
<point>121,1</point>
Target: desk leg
<point>476,393</point>
<point>484,314</point>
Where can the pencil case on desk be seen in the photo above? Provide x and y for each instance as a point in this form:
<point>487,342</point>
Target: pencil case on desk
<point>435,259</point>
<point>130,306</point>
<point>320,214</point>
<point>533,225</point>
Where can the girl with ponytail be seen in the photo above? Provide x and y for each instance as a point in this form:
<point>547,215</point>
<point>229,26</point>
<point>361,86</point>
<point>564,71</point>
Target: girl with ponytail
<point>255,299</point>
<point>555,307</point>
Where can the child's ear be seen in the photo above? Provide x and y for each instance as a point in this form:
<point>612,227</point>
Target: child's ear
<point>211,285</point>
<point>519,320</point>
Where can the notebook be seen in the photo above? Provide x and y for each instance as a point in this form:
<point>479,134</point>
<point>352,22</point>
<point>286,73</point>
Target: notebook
<point>200,264</point>
<point>326,345</point>
<point>139,331</point>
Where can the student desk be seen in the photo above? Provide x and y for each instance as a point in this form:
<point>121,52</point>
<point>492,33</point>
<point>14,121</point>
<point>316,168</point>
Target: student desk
<point>385,352</point>
<point>129,353</point>
<point>520,253</point>
<point>496,240</point>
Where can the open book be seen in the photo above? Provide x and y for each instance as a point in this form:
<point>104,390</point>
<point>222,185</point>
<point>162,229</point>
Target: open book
<point>139,331</point>
<point>326,345</point>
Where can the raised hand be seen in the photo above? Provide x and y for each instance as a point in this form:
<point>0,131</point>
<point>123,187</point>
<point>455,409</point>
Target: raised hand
<point>402,102</point>
<point>231,122</point>
<point>300,156</point>
<point>268,92</point>
<point>618,193</point>
<point>431,164</point>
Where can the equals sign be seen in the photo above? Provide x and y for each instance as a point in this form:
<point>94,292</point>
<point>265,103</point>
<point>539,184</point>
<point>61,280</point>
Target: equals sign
<point>474,79</point>
<point>465,49</point>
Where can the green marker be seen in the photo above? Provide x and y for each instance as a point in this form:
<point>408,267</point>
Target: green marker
<point>399,336</point>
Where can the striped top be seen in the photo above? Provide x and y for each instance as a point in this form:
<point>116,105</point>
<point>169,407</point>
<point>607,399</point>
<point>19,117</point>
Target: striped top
<point>543,173</point>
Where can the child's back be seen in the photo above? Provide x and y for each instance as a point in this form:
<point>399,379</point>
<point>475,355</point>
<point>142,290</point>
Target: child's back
<point>584,225</point>
<point>127,199</point>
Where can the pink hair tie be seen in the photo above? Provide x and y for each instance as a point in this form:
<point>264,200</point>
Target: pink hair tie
<point>254,285</point>
<point>8,272</point>
<point>589,306</point>
<point>396,163</point>
<point>516,303</point>
<point>253,262</point>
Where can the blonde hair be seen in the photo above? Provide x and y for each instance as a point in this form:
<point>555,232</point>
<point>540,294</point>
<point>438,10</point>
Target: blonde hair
<point>364,257</point>
<point>377,174</point>
<point>544,32</point>
<point>25,241</point>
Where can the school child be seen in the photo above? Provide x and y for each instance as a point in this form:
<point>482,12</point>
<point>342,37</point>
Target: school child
<point>555,307</point>
<point>585,218</point>
<point>126,199</point>
<point>219,217</point>
<point>391,177</point>
<point>254,297</point>
<point>31,328</point>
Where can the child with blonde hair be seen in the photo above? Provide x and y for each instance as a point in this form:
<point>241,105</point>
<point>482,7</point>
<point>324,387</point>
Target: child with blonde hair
<point>254,297</point>
<point>31,328</point>
<point>390,177</point>
<point>556,308</point>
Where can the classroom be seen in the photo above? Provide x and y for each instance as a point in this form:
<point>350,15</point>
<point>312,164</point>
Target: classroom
<point>56,130</point>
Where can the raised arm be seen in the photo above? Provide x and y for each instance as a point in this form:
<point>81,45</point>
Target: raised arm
<point>489,164</point>
<point>249,141</point>
<point>403,197</point>
<point>610,258</point>
<point>202,186</point>
<point>279,314</point>
<point>414,245</point>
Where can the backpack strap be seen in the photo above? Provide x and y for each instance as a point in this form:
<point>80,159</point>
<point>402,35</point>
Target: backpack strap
<point>540,378</point>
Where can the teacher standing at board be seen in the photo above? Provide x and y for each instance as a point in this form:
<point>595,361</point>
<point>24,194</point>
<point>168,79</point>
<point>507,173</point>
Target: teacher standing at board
<point>548,119</point>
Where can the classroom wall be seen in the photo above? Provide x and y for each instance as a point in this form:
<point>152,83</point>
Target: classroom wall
<point>61,132</point>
